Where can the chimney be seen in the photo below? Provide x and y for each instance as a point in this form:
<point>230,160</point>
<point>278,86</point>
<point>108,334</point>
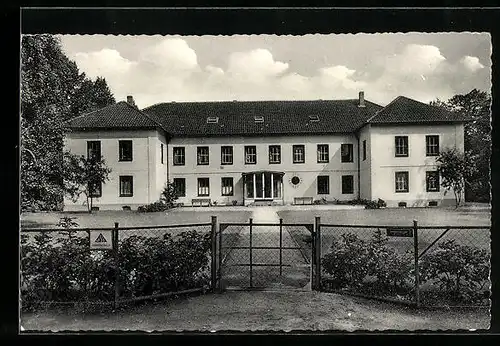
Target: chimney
<point>130,101</point>
<point>361,99</point>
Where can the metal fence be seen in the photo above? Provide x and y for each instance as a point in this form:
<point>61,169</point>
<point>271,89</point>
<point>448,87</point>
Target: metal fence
<point>264,255</point>
<point>435,266</point>
<point>149,262</point>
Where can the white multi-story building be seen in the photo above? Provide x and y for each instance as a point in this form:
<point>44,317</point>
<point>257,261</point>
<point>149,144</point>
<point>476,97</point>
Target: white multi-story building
<point>281,152</point>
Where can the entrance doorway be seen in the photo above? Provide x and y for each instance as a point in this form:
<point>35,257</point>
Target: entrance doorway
<point>263,186</point>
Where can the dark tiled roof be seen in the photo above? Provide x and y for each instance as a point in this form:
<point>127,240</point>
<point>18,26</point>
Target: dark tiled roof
<point>117,116</point>
<point>280,117</point>
<point>405,110</point>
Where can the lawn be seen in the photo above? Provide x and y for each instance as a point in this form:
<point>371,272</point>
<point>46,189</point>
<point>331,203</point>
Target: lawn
<point>133,218</point>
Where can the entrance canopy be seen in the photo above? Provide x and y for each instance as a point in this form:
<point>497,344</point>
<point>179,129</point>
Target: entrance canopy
<point>263,171</point>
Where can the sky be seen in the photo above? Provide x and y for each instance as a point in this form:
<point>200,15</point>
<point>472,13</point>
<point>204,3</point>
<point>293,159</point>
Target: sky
<point>155,69</point>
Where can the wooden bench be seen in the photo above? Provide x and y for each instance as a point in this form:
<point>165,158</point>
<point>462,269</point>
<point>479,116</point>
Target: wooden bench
<point>201,202</point>
<point>302,200</point>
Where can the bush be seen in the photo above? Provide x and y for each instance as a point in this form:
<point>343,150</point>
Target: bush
<point>167,201</point>
<point>235,202</point>
<point>392,270</point>
<point>380,203</point>
<point>153,207</point>
<point>461,271</point>
<point>65,270</point>
<point>320,201</point>
<point>348,261</point>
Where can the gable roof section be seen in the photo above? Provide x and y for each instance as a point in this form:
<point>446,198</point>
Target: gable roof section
<point>189,119</point>
<point>406,110</point>
<point>120,115</point>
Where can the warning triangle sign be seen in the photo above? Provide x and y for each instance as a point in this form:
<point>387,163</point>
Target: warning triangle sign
<point>100,239</point>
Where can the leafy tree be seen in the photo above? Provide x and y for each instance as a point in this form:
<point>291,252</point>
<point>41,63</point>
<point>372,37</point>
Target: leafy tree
<point>84,175</point>
<point>52,91</point>
<point>475,105</point>
<point>456,170</point>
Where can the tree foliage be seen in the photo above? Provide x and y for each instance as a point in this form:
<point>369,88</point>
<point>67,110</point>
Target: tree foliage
<point>475,105</point>
<point>83,176</point>
<point>456,170</point>
<point>52,91</point>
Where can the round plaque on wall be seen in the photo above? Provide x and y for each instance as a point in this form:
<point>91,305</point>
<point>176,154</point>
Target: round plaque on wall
<point>295,181</point>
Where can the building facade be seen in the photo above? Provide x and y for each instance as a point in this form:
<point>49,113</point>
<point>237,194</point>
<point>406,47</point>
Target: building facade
<point>272,152</point>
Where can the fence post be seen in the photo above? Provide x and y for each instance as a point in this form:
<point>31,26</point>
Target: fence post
<point>281,245</point>
<point>213,269</point>
<point>317,236</point>
<point>415,254</point>
<point>219,284</point>
<point>114,237</point>
<point>250,246</point>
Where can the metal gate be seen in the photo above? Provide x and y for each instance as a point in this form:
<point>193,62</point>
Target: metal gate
<point>266,256</point>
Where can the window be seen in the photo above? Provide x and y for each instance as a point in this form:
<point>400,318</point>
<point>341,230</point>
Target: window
<point>401,143</point>
<point>180,187</point>
<point>161,153</point>
<point>212,120</point>
<point>226,155</point>
<point>227,186</point>
<point>323,185</point>
<point>299,155</point>
<point>126,186</point>
<point>179,156</point>
<point>95,189</point>
<point>249,185</point>
<point>250,155</point>
<point>431,145</point>
<point>346,153</point>
<point>94,150</point>
<point>432,181</point>
<point>203,156</point>
<point>259,119</point>
<point>274,154</point>
<point>402,182</point>
<point>347,184</point>
<point>314,118</point>
<point>203,187</point>
<point>323,153</point>
<point>125,150</point>
<point>364,150</point>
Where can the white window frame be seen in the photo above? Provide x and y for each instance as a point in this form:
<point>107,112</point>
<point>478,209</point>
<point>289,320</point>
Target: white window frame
<point>175,186</point>
<point>203,191</point>
<point>323,153</point>
<point>402,181</point>
<point>250,155</point>
<point>428,174</point>
<point>432,142</point>
<point>203,156</point>
<point>299,153</point>
<point>275,154</point>
<point>178,154</point>
<point>401,146</point>
<point>226,155</point>
<point>227,189</point>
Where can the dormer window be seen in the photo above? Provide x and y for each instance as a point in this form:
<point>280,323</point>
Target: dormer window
<point>259,119</point>
<point>212,120</point>
<point>313,118</point>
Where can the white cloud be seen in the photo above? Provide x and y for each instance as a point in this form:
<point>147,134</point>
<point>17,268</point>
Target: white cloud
<point>104,62</point>
<point>255,65</point>
<point>415,59</point>
<point>472,63</point>
<point>214,70</point>
<point>340,76</point>
<point>171,55</point>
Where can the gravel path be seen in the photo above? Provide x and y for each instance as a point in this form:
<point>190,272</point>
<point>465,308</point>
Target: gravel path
<point>253,311</point>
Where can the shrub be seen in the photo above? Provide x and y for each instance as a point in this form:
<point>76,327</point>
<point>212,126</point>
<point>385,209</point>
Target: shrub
<point>461,271</point>
<point>380,203</point>
<point>320,201</point>
<point>65,270</point>
<point>391,269</point>
<point>153,207</point>
<point>235,202</point>
<point>348,261</point>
